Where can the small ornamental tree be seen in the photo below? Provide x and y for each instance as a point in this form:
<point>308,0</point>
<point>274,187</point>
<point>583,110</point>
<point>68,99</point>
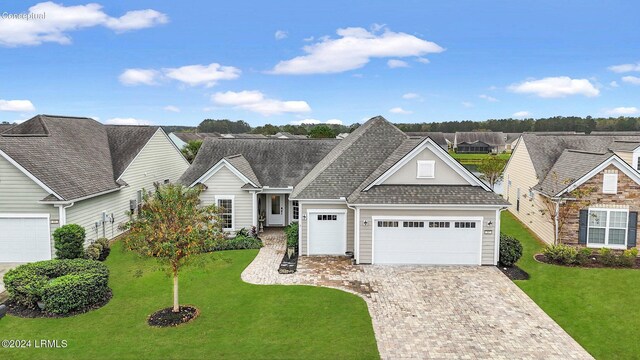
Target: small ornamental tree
<point>190,149</point>
<point>172,226</point>
<point>491,168</point>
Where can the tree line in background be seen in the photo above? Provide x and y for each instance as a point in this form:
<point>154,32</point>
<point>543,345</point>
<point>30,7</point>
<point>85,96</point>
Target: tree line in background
<point>556,123</point>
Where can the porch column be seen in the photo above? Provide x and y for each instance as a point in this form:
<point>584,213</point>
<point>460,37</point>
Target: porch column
<point>254,216</point>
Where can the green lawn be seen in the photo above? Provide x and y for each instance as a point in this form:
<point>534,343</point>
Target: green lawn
<point>475,158</point>
<point>597,307</point>
<point>237,320</point>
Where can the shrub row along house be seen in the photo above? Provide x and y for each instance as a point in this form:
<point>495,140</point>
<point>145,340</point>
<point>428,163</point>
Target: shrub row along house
<point>383,195</point>
<point>577,189</point>
<point>57,170</point>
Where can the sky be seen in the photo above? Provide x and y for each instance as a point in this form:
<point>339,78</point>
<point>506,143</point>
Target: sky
<point>290,62</point>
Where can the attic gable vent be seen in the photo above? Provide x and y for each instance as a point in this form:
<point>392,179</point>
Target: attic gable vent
<point>610,183</point>
<point>426,169</point>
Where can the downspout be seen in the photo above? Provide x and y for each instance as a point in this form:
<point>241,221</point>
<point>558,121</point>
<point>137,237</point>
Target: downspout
<point>557,240</point>
<point>62,213</point>
<point>356,230</point>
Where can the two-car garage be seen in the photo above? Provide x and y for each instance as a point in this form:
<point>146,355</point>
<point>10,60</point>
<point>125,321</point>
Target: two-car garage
<point>24,238</point>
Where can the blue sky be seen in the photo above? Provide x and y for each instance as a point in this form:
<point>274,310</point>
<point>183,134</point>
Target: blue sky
<point>178,62</point>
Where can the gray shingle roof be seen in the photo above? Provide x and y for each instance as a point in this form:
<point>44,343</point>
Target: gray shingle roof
<point>624,145</point>
<point>545,150</point>
<point>351,161</point>
<point>70,155</point>
<point>436,136</point>
<point>5,127</point>
<point>244,136</point>
<point>125,142</point>
<point>488,137</point>
<point>429,194</point>
<point>288,135</point>
<point>189,136</point>
<point>570,166</point>
<point>241,164</point>
<point>275,162</point>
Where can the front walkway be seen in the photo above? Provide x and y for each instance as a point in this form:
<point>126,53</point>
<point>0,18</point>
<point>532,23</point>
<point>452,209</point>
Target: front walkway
<point>438,312</point>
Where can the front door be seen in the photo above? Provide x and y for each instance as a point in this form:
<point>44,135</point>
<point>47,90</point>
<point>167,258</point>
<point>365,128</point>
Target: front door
<point>275,210</point>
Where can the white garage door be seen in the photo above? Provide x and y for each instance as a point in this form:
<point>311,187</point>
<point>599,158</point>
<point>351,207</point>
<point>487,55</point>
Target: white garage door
<point>24,238</point>
<point>327,233</point>
<point>444,242</point>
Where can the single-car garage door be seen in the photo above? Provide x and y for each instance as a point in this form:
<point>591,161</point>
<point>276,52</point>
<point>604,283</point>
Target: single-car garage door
<point>327,232</point>
<point>24,238</point>
<point>431,241</point>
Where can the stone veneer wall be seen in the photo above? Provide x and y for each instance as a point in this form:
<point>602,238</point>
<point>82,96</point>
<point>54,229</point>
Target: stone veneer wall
<point>628,197</point>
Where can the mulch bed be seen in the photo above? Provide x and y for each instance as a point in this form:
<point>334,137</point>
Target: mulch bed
<point>594,262</point>
<point>25,312</point>
<point>288,265</point>
<point>167,318</point>
<point>514,272</point>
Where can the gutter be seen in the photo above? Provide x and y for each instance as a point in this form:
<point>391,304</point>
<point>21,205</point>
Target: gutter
<point>62,202</point>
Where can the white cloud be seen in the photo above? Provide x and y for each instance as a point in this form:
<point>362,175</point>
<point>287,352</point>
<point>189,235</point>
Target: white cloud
<point>622,111</point>
<point>395,63</point>
<point>126,121</point>
<point>423,60</point>
<point>202,75</point>
<point>521,114</point>
<point>399,110</point>
<point>411,96</point>
<point>256,101</point>
<point>316,122</point>
<point>60,20</point>
<point>467,104</point>
<point>487,97</point>
<point>614,84</point>
<point>171,108</point>
<point>281,34</point>
<point>132,77</point>
<point>623,68</point>
<point>16,105</point>
<point>308,39</point>
<point>354,48</point>
<point>556,87</point>
<point>634,80</point>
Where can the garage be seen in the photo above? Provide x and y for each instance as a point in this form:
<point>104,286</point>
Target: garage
<point>327,232</point>
<point>24,238</point>
<point>440,241</point>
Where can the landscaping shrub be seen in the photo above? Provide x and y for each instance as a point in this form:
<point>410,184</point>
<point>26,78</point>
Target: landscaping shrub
<point>69,241</point>
<point>583,256</point>
<point>92,252</point>
<point>628,257</point>
<point>238,242</point>
<point>291,231</point>
<point>510,250</point>
<point>63,285</point>
<point>106,248</point>
<point>561,254</point>
<point>608,258</point>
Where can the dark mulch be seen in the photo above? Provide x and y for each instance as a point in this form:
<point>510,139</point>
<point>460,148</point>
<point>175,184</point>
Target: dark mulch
<point>25,312</point>
<point>288,265</point>
<point>594,262</point>
<point>514,272</point>
<point>167,318</point>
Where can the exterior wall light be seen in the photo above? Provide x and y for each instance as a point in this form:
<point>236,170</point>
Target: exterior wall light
<point>365,222</point>
<point>304,217</point>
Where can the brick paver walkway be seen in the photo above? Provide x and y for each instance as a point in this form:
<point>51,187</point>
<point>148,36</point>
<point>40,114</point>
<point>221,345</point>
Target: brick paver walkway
<point>431,312</point>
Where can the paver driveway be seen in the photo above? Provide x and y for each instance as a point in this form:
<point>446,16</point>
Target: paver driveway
<point>435,312</point>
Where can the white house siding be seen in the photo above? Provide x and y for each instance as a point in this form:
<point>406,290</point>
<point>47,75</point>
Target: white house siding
<point>444,174</point>
<point>20,195</point>
<point>627,156</point>
<point>520,174</point>
<point>225,182</point>
<point>304,206</point>
<point>158,161</point>
<point>488,239</point>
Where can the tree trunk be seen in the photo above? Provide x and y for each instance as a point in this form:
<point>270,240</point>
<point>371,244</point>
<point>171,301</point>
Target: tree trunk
<point>176,304</point>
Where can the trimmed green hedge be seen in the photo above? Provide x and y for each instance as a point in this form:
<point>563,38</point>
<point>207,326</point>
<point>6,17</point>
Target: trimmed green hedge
<point>63,285</point>
<point>510,250</point>
<point>69,241</point>
<point>292,231</point>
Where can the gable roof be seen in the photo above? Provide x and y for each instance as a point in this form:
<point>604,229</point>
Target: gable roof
<point>351,161</point>
<point>242,165</point>
<point>488,137</point>
<point>570,166</point>
<point>275,162</point>
<point>72,156</point>
<point>627,146</point>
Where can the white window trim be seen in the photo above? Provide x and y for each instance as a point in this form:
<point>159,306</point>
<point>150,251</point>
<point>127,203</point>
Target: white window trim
<point>426,162</point>
<point>233,209</point>
<point>612,177</point>
<point>606,229</point>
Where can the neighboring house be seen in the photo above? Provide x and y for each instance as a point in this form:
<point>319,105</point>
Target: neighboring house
<point>287,135</point>
<point>479,142</point>
<point>449,138</point>
<point>342,136</point>
<point>436,136</point>
<point>5,127</point>
<point>548,170</point>
<point>57,170</point>
<point>182,138</point>
<point>510,140</point>
<point>244,136</point>
<point>384,196</point>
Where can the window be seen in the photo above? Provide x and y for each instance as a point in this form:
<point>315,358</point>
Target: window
<point>295,205</point>
<point>439,224</point>
<point>328,217</point>
<point>426,169</point>
<point>413,224</point>
<point>464,225</point>
<point>225,204</point>
<point>610,183</point>
<point>387,224</point>
<point>607,227</point>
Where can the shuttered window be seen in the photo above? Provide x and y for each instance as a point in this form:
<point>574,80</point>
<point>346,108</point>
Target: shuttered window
<point>607,228</point>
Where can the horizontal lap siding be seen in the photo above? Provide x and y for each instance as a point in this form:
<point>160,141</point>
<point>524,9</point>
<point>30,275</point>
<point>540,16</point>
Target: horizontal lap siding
<point>303,223</point>
<point>488,240</point>
<point>159,160</point>
<point>224,182</point>
<point>20,195</point>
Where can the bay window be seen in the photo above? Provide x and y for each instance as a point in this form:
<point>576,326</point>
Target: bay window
<point>607,228</point>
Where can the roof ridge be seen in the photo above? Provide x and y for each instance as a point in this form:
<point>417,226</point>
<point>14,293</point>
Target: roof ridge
<point>586,152</point>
